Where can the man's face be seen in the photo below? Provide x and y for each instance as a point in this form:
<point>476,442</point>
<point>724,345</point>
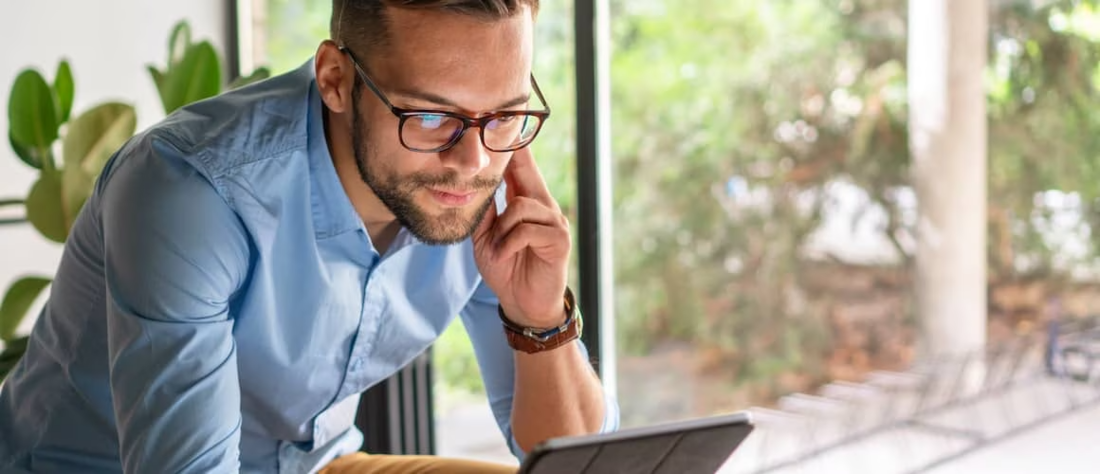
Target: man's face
<point>447,62</point>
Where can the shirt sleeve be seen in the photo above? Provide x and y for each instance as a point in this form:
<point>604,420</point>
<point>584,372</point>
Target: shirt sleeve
<point>496,360</point>
<point>174,254</point>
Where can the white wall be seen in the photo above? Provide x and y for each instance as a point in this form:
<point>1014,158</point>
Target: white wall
<point>108,43</point>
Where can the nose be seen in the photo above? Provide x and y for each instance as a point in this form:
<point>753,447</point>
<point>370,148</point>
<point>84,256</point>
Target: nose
<point>467,157</point>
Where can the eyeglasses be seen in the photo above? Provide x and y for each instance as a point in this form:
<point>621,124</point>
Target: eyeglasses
<point>434,131</point>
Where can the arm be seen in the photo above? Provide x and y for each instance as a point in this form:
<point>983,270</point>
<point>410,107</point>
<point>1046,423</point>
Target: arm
<point>558,394</point>
<point>174,254</point>
<point>523,256</point>
<point>535,398</point>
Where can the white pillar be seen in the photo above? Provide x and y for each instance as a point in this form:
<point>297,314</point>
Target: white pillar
<point>947,59</point>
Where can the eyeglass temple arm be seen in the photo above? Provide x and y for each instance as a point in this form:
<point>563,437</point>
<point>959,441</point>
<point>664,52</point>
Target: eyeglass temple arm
<point>538,92</point>
<point>366,79</point>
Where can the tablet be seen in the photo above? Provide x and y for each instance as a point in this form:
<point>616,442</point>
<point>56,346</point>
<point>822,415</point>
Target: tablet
<point>699,446</point>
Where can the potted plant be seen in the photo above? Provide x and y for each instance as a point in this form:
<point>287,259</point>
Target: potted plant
<point>69,153</point>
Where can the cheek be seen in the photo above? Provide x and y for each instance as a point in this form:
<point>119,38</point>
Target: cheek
<point>498,162</point>
<point>398,164</point>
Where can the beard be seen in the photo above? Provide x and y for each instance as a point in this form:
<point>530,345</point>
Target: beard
<point>398,193</point>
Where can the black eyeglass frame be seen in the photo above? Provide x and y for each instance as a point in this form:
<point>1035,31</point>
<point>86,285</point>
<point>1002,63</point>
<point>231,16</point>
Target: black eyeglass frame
<point>467,122</point>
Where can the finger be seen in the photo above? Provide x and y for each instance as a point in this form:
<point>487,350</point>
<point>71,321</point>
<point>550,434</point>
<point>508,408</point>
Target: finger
<point>525,209</point>
<point>525,179</point>
<point>509,186</point>
<point>547,242</point>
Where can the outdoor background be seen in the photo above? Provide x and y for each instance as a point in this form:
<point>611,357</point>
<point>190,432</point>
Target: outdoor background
<point>763,210</point>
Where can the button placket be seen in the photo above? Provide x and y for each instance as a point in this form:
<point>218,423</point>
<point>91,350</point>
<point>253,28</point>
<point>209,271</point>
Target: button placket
<point>369,321</point>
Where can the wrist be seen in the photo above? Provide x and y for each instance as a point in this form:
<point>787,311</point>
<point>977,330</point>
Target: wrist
<point>538,339</point>
<point>538,323</point>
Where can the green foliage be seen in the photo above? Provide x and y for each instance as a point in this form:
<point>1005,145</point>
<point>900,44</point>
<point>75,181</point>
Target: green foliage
<point>257,75</point>
<point>17,302</point>
<point>32,116</point>
<point>13,351</point>
<point>690,118</point>
<point>45,208</point>
<point>95,135</point>
<point>39,115</point>
<point>293,30</point>
<point>193,72</point>
<point>454,362</point>
<point>1044,132</point>
<point>64,89</point>
<point>731,120</point>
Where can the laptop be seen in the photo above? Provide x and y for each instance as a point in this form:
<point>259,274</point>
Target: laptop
<point>699,446</point>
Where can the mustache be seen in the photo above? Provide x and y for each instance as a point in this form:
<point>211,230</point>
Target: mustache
<point>451,181</point>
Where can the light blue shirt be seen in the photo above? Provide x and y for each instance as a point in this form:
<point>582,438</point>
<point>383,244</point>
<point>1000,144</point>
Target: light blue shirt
<point>220,307</point>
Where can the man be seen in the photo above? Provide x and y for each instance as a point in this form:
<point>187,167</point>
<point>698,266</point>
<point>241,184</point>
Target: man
<point>251,264</point>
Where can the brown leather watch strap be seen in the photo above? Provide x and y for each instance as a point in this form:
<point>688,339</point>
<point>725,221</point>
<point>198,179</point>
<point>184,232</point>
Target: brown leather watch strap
<point>532,340</point>
<point>526,344</point>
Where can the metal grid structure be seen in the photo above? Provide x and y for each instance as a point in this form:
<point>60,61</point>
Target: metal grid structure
<point>939,411</point>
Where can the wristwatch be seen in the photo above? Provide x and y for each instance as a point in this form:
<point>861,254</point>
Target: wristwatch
<point>532,340</point>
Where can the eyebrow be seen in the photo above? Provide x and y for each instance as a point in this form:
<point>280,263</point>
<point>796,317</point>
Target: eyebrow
<point>440,100</point>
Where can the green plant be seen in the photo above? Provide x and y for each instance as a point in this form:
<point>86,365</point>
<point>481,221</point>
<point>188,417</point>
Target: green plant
<point>40,126</point>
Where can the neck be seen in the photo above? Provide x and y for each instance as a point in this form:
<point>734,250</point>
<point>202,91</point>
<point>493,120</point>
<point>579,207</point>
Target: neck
<point>381,225</point>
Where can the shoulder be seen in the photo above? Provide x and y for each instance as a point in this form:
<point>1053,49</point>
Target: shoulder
<point>254,123</point>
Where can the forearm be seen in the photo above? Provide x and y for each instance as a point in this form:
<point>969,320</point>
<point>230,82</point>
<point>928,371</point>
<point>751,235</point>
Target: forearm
<point>557,394</point>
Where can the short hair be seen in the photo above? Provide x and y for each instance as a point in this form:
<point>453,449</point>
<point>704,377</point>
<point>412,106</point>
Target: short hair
<point>364,26</point>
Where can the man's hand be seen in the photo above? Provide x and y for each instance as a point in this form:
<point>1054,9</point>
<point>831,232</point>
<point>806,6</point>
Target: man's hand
<point>523,254</point>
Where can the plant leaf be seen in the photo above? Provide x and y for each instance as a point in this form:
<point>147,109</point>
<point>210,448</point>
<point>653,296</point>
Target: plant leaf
<point>29,155</point>
<point>256,76</point>
<point>64,89</point>
<point>32,114</point>
<point>13,351</point>
<point>76,188</point>
<point>17,301</point>
<point>160,79</point>
<point>178,43</point>
<point>44,206</point>
<point>95,135</point>
<point>196,77</point>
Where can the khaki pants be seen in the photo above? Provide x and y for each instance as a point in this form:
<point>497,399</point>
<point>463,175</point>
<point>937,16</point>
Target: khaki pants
<point>363,463</point>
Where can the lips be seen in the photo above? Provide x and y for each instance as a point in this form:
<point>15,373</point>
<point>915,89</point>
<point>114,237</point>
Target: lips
<point>452,197</point>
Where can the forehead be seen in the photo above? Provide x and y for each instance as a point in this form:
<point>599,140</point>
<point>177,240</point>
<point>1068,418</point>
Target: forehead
<point>471,61</point>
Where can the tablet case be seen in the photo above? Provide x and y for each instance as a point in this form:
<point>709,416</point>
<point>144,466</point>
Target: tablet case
<point>699,446</point>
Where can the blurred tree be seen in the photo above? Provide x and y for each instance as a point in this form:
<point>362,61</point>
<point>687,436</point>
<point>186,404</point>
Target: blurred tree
<point>732,120</point>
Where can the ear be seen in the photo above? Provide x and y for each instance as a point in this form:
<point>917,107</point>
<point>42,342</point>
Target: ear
<point>335,76</point>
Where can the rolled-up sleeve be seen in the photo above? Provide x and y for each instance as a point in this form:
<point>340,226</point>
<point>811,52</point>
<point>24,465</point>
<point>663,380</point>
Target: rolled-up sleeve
<point>496,360</point>
<point>175,253</point>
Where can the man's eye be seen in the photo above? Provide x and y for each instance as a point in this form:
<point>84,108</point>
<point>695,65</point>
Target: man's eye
<point>431,121</point>
<point>504,121</point>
